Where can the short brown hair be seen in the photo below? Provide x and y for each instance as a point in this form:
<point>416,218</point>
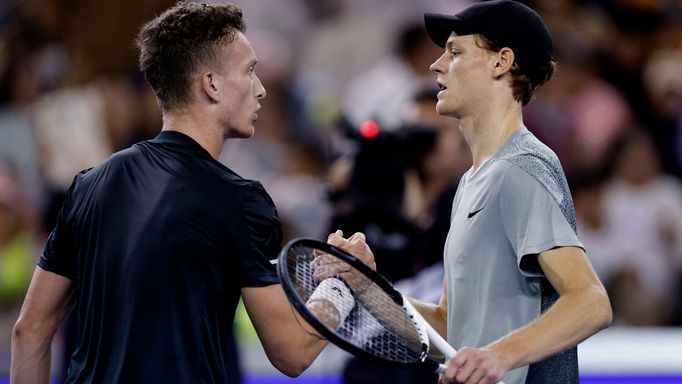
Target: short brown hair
<point>524,80</point>
<point>173,45</point>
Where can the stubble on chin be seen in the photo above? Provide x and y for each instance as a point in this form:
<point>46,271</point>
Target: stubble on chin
<point>240,133</point>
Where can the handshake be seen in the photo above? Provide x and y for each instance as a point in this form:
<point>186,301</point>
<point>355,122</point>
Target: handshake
<point>337,282</point>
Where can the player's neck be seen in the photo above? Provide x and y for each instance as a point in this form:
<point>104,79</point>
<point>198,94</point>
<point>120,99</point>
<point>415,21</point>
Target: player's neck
<point>487,132</point>
<point>198,128</point>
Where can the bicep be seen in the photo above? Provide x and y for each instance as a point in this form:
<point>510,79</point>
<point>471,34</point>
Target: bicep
<point>47,301</point>
<point>442,327</point>
<point>568,268</point>
<point>286,338</point>
<point>264,304</point>
<point>443,302</point>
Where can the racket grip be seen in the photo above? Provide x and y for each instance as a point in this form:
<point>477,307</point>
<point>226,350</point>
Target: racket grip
<point>439,342</point>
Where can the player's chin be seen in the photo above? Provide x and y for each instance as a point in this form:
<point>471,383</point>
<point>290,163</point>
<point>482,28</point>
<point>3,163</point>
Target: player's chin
<point>242,132</point>
<point>251,129</point>
<point>443,109</point>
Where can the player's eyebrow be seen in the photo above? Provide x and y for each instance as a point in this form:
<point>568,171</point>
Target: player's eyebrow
<point>451,44</point>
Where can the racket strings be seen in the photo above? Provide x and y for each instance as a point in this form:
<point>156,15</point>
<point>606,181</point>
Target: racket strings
<point>392,333</point>
<point>376,324</point>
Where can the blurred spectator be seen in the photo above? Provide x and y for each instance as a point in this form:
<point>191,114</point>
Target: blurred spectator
<point>632,229</point>
<point>663,83</point>
<point>129,110</point>
<point>289,26</point>
<point>634,27</point>
<point>330,55</point>
<point>300,194</point>
<point>642,29</point>
<point>20,85</point>
<point>72,119</point>
<point>578,114</point>
<point>644,207</point>
<point>17,255</point>
<point>382,92</point>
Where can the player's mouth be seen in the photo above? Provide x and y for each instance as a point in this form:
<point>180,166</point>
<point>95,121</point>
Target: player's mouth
<point>442,87</point>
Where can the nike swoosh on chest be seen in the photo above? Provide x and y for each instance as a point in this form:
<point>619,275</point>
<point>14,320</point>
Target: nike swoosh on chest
<point>473,213</point>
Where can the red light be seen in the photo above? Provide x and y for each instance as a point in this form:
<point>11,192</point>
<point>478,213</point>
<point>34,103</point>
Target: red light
<point>369,129</point>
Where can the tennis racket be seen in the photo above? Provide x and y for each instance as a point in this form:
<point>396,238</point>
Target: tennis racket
<point>378,323</point>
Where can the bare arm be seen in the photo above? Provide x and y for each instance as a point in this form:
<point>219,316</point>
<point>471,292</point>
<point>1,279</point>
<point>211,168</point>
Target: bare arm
<point>287,344</point>
<point>46,304</point>
<point>567,322</point>
<point>582,309</point>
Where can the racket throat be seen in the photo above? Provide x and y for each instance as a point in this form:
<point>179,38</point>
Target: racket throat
<point>424,353</point>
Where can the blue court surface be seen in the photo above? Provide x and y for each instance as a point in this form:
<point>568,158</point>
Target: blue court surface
<point>301,380</point>
<point>338,380</point>
<point>583,380</point>
<point>631,380</point>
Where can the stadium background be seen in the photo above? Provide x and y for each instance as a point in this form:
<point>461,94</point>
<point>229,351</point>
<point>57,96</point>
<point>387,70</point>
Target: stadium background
<point>70,95</point>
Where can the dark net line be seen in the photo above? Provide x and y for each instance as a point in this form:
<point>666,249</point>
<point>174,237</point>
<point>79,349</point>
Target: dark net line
<point>376,324</point>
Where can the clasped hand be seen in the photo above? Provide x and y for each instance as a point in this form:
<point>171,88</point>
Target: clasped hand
<point>325,266</point>
<point>474,365</point>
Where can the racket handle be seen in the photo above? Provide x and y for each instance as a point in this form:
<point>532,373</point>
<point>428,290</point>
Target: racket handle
<point>439,342</point>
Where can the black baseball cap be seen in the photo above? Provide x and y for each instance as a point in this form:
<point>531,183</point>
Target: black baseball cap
<point>506,23</point>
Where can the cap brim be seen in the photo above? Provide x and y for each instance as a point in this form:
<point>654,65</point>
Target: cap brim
<point>439,27</point>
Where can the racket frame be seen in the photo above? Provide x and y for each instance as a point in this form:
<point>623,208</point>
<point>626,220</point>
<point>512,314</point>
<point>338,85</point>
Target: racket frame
<point>425,364</point>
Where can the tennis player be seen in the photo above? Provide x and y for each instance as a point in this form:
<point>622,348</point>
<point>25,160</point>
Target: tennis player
<point>519,292</point>
<point>154,246</point>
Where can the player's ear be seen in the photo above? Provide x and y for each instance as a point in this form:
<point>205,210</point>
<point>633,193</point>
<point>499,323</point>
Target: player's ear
<point>504,60</point>
<point>209,85</point>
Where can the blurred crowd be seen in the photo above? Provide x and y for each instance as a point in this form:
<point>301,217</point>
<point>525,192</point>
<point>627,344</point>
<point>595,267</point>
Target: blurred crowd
<point>348,137</point>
